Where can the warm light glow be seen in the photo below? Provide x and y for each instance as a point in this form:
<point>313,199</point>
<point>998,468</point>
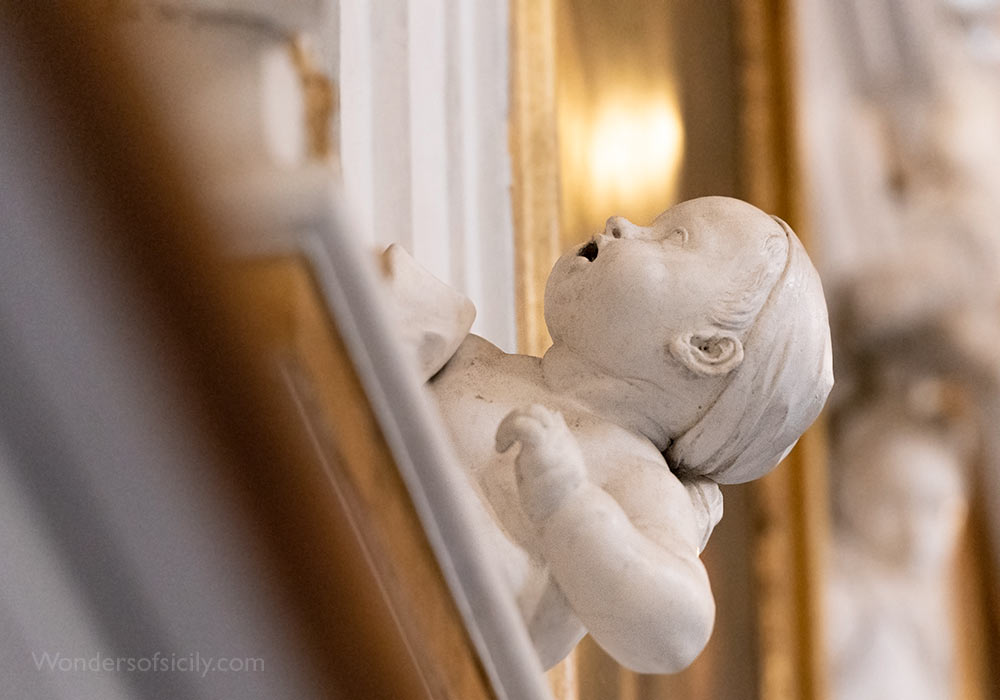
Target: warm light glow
<point>634,149</point>
<point>621,154</point>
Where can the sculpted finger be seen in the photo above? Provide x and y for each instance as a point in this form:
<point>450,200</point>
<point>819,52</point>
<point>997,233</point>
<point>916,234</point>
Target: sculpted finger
<point>518,426</point>
<point>543,415</point>
<point>532,430</point>
<point>706,497</point>
<point>507,433</point>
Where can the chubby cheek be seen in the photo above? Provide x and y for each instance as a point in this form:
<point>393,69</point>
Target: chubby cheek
<point>606,311</point>
<point>562,298</point>
<point>628,297</point>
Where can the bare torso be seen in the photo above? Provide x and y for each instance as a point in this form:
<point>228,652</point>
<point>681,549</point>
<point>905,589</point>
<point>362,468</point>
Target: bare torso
<point>481,385</point>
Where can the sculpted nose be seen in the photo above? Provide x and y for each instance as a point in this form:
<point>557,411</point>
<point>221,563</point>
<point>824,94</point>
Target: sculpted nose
<point>620,227</point>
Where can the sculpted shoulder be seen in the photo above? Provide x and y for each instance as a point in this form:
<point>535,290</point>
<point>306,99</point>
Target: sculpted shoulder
<point>478,362</point>
<point>478,386</point>
<point>473,350</point>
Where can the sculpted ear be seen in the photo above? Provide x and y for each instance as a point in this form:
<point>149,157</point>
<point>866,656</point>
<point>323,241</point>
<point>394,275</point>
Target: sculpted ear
<point>709,353</point>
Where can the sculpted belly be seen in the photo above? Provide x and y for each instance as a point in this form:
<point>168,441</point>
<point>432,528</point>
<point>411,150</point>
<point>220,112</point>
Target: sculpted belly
<point>473,403</point>
<point>477,390</point>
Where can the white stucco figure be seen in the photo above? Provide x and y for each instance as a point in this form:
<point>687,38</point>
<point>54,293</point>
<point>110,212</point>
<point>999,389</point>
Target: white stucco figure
<point>687,353</point>
<point>900,503</point>
<point>914,328</point>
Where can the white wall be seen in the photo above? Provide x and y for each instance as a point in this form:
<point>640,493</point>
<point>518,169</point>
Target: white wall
<point>421,127</point>
<point>423,140</point>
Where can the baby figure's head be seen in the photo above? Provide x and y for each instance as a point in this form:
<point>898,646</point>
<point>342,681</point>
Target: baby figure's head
<point>715,303</point>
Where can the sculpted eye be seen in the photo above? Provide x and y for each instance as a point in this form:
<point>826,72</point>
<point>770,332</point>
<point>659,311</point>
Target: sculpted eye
<point>678,236</point>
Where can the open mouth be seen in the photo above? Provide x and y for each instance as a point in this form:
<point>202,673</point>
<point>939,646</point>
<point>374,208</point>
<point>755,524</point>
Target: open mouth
<point>589,251</point>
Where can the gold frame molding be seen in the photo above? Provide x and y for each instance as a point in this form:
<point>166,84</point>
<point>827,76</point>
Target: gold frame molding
<point>791,511</point>
<point>534,151</point>
<point>790,514</point>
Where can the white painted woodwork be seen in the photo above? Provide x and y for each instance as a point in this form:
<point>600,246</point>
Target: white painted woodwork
<point>423,100</point>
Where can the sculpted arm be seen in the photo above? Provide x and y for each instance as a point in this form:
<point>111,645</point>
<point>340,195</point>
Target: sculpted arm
<point>625,555</point>
<point>432,318</point>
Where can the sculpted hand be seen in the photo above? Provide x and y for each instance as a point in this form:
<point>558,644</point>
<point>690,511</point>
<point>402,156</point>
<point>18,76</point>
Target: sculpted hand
<point>549,466</point>
<point>707,501</point>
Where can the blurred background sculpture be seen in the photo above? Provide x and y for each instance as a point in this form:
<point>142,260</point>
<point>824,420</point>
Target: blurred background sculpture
<point>905,189</point>
<point>907,426</point>
<point>900,503</point>
<point>687,353</point>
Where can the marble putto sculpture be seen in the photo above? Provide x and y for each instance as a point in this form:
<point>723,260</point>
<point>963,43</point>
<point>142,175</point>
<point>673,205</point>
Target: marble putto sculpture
<point>688,353</point>
<point>900,503</point>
